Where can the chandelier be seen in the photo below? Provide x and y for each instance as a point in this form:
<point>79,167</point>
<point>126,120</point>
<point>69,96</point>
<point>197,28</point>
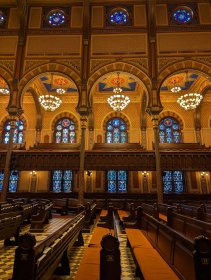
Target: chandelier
<point>118,101</point>
<point>61,83</point>
<point>175,89</point>
<point>3,87</point>
<point>190,101</point>
<point>49,102</point>
<point>4,90</point>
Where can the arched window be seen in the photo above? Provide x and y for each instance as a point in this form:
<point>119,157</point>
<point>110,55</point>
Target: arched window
<point>170,132</point>
<point>117,181</point>
<point>65,131</point>
<point>13,181</point>
<point>18,132</point>
<point>116,131</point>
<point>62,181</point>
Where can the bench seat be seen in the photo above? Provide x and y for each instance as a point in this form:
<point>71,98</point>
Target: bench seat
<point>99,232</point>
<point>152,265</point>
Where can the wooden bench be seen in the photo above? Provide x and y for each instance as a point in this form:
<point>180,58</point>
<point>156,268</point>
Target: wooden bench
<point>40,261</point>
<point>10,224</point>
<point>172,246</point>
<point>89,216</point>
<point>61,206</point>
<point>189,227</point>
<point>41,218</point>
<point>74,206</point>
<point>90,264</point>
<point>56,146</point>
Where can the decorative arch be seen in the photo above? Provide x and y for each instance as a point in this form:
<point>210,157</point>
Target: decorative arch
<point>49,67</point>
<point>7,76</point>
<point>116,115</point>
<point>64,115</point>
<point>181,66</point>
<point>173,115</point>
<point>120,66</point>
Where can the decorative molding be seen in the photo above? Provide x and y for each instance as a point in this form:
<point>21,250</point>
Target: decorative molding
<point>30,64</point>
<point>164,61</point>
<point>203,59</point>
<point>141,63</point>
<point>8,65</point>
<point>73,63</point>
<point>97,63</point>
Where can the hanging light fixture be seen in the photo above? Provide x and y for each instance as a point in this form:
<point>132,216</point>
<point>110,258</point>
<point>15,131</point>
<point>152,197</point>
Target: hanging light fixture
<point>49,102</point>
<point>4,87</point>
<point>189,101</point>
<point>174,86</point>
<point>118,101</point>
<point>61,82</point>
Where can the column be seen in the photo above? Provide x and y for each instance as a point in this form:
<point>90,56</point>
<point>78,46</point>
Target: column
<point>38,136</point>
<point>143,137</point>
<point>82,159</point>
<point>8,160</point>
<point>157,159</point>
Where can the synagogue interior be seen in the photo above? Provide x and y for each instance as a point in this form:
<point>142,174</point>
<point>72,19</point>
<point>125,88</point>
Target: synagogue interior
<point>105,139</point>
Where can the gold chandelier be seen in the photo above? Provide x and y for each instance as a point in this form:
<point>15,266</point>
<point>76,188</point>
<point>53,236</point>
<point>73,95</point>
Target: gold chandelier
<point>4,87</point>
<point>118,101</point>
<point>190,101</point>
<point>49,102</point>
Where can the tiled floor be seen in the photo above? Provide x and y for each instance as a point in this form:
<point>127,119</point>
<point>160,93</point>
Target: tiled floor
<point>75,255</point>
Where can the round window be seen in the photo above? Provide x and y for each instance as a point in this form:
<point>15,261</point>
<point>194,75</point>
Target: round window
<point>182,14</point>
<point>56,18</point>
<point>118,16</point>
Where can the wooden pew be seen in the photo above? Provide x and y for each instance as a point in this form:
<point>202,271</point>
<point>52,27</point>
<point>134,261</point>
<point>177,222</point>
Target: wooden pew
<point>40,261</point>
<point>10,224</point>
<point>73,205</point>
<point>189,227</point>
<point>41,218</point>
<point>89,216</point>
<point>175,248</point>
<point>61,206</point>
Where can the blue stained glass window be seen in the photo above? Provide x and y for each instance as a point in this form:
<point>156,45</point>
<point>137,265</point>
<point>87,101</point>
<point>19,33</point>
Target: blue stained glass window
<point>62,181</point>
<point>117,181</point>
<point>65,131</point>
<point>18,132</point>
<point>2,18</point>
<point>1,179</point>
<point>118,16</point>
<point>116,131</point>
<point>56,18</point>
<point>183,15</point>
<point>13,182</point>
<point>173,181</point>
<point>169,130</point>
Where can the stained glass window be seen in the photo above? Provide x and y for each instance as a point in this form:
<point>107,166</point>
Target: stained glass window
<point>62,180</point>
<point>118,16</point>
<point>2,18</point>
<point>173,181</point>
<point>183,14</point>
<point>116,131</point>
<point>13,180</point>
<point>65,131</point>
<point>117,181</point>
<point>1,179</point>
<point>56,18</point>
<point>18,132</point>
<point>169,130</point>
